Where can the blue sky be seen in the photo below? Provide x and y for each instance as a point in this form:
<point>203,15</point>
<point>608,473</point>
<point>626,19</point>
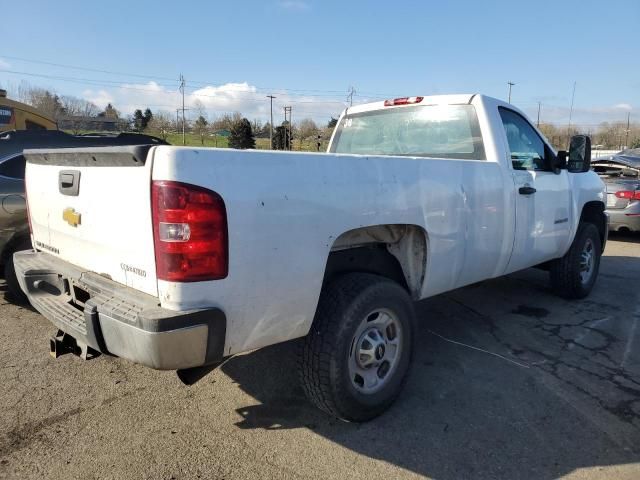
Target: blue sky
<point>308,52</point>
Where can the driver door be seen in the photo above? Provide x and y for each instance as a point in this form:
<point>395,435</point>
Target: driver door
<point>542,197</point>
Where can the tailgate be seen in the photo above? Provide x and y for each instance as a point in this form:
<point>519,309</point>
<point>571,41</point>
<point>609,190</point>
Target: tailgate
<point>92,208</point>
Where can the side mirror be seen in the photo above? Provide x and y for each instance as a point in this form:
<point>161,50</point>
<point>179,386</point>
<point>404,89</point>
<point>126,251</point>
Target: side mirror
<point>579,154</point>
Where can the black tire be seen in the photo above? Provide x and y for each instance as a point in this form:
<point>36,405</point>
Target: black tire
<point>566,272</point>
<point>324,354</point>
<point>14,291</point>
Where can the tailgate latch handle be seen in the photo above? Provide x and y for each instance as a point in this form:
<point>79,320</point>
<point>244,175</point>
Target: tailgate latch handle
<point>69,182</point>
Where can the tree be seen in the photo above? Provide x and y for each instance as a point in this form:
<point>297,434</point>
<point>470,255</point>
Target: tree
<point>79,107</point>
<point>281,137</point>
<point>160,124</point>
<point>241,135</point>
<point>226,121</point>
<point>109,112</point>
<point>307,128</point>
<point>47,102</point>
<point>138,121</point>
<point>146,118</point>
<point>200,126</point>
<point>332,123</point>
<point>263,132</point>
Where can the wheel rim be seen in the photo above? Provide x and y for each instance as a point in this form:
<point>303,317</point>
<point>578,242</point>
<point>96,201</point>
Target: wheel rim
<point>587,261</point>
<point>375,351</point>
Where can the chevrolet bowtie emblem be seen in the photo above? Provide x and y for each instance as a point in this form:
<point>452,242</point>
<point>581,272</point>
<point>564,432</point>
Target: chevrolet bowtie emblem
<point>70,216</point>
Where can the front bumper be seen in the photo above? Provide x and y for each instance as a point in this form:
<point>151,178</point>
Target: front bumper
<point>115,319</point>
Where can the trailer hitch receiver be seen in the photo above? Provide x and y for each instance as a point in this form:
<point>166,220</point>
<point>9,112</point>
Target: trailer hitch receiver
<point>63,343</point>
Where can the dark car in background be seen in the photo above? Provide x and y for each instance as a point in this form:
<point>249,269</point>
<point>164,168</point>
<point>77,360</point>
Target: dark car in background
<point>14,228</point>
<point>621,175</point>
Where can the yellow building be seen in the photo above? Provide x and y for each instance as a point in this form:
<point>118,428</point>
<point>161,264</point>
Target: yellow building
<point>19,116</point>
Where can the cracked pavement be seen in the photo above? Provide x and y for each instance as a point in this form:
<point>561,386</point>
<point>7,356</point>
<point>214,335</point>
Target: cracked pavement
<point>508,381</point>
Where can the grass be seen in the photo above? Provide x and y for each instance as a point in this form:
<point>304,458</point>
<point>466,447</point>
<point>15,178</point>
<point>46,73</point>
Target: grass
<point>194,140</point>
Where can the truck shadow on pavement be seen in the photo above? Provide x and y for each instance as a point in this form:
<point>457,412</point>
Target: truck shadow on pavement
<point>563,394</point>
<point>627,237</point>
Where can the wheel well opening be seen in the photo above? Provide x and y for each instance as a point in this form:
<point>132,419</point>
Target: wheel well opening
<point>398,252</point>
<point>593,212</point>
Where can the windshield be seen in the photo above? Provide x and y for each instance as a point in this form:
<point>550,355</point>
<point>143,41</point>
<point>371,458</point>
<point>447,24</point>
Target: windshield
<point>441,131</point>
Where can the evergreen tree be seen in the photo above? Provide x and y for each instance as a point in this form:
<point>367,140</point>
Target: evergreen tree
<point>138,121</point>
<point>146,118</point>
<point>242,135</point>
<point>332,123</point>
<point>281,140</point>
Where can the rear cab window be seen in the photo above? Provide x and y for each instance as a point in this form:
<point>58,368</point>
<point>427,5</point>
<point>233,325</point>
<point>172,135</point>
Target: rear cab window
<point>437,131</point>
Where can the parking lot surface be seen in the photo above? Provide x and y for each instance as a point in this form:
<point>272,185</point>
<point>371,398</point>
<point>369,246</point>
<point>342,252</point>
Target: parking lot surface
<point>508,381</point>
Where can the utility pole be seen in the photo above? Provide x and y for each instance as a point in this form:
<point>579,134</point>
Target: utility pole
<point>271,97</point>
<point>182,91</point>
<point>287,136</point>
<point>511,84</point>
<point>626,142</point>
<point>573,94</point>
<point>352,92</point>
<point>538,123</point>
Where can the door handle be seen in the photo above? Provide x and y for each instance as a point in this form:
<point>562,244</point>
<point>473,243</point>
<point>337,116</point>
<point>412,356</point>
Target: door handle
<point>526,190</point>
<point>69,182</point>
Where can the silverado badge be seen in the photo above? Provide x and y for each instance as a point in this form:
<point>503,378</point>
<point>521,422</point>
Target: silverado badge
<point>70,216</point>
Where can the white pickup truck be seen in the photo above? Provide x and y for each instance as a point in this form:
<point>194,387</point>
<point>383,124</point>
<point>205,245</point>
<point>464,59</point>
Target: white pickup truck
<point>180,257</point>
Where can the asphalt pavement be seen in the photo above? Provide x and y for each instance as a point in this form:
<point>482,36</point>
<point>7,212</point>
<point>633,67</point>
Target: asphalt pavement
<point>508,382</point>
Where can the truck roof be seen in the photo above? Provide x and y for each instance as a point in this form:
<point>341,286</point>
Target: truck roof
<point>427,100</point>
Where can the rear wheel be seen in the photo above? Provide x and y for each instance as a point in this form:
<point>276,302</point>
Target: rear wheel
<point>574,275</point>
<point>13,287</point>
<point>354,360</point>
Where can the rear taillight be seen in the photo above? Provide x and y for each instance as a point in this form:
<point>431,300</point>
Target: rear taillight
<point>402,101</point>
<point>189,232</point>
<point>628,195</point>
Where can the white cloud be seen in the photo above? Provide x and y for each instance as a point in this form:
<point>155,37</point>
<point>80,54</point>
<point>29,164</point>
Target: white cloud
<point>294,5</point>
<point>216,100</point>
<point>623,106</point>
<point>100,97</point>
<point>4,64</point>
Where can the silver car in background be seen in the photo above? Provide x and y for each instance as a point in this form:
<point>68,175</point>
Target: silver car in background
<point>621,175</point>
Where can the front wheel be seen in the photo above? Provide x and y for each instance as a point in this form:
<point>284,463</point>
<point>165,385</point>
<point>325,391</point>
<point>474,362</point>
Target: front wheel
<point>354,360</point>
<point>574,275</point>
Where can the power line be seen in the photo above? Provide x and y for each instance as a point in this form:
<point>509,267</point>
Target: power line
<point>75,67</point>
<point>253,96</point>
<point>192,82</point>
